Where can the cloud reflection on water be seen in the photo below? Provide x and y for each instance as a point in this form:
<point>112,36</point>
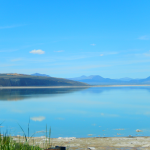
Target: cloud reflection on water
<point>74,111</point>
<point>40,118</point>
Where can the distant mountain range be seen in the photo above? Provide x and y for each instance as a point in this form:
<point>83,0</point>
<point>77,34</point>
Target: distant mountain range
<point>38,74</point>
<point>98,80</point>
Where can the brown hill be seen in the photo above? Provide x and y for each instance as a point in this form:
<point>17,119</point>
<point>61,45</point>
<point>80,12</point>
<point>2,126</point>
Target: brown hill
<point>28,80</point>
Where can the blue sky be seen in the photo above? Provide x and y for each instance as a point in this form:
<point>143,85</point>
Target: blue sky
<point>70,38</point>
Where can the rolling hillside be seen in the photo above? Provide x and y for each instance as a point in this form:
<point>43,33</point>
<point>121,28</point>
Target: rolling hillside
<point>28,80</point>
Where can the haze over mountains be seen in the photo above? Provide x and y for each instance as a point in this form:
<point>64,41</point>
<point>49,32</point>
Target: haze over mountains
<point>38,74</point>
<point>98,80</point>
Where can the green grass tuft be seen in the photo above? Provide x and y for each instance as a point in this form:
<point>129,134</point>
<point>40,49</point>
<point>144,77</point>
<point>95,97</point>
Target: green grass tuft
<point>7,142</point>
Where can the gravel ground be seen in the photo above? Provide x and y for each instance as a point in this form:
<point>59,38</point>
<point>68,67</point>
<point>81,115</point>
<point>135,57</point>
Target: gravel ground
<point>97,143</point>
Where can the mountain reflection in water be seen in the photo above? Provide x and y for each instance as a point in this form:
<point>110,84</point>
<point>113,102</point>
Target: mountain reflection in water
<point>78,112</point>
<point>21,94</point>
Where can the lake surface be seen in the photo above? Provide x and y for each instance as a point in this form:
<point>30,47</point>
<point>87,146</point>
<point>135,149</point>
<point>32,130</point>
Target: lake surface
<point>90,112</point>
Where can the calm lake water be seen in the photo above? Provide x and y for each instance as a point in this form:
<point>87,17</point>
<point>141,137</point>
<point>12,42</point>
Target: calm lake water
<point>91,112</point>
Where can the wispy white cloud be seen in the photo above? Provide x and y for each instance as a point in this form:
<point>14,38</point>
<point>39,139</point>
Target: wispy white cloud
<point>40,118</point>
<point>11,26</point>
<point>17,59</point>
<point>59,51</point>
<point>84,67</point>
<point>109,115</point>
<point>94,54</point>
<point>61,69</point>
<point>6,65</point>
<point>39,51</point>
<point>147,113</point>
<point>144,37</point>
<point>147,54</point>
<point>93,44</point>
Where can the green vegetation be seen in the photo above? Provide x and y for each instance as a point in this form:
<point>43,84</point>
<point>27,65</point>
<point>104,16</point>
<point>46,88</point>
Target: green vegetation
<point>7,142</point>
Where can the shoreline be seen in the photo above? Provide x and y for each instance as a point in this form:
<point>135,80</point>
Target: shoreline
<point>42,87</point>
<point>98,143</point>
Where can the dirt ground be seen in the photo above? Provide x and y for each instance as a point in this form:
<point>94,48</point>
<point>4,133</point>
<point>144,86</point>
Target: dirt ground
<point>96,143</point>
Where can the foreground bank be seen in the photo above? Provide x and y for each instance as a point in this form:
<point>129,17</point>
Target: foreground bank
<point>97,143</point>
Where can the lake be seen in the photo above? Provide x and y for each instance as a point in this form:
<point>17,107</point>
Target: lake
<point>72,112</point>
